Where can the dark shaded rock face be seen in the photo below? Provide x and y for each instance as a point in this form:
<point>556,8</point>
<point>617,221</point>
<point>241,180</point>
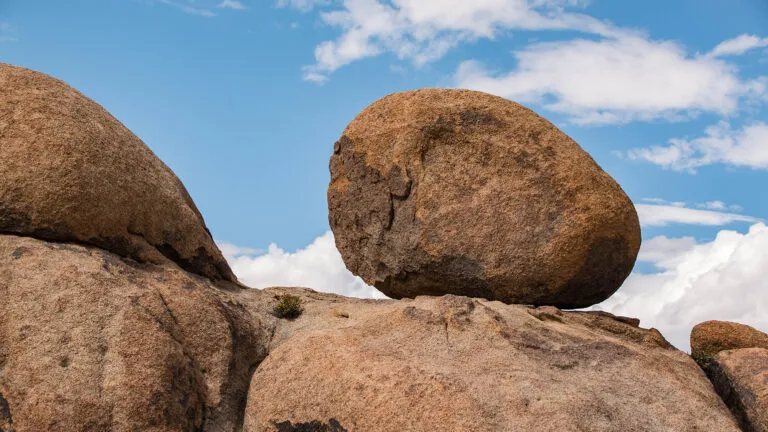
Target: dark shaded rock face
<point>69,171</point>
<point>453,191</point>
<point>740,376</point>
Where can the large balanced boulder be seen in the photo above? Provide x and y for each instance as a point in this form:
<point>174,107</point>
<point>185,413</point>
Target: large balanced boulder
<point>711,337</point>
<point>459,364</point>
<point>740,376</point>
<point>453,191</point>
<point>69,171</point>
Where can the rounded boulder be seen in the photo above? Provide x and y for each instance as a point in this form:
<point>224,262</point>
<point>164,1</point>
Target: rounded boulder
<point>439,191</point>
<point>72,172</point>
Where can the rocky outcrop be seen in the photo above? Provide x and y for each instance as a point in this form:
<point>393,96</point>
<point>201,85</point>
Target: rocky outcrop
<point>453,191</point>
<point>90,341</point>
<point>118,312</point>
<point>740,376</point>
<point>711,337</point>
<point>72,172</point>
<point>455,363</point>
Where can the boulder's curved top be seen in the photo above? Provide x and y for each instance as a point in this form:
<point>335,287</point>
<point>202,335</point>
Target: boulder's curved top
<point>69,171</point>
<point>711,337</point>
<point>439,191</point>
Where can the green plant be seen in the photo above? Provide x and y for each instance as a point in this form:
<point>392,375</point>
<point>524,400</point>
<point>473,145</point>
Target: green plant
<point>702,358</point>
<point>288,306</point>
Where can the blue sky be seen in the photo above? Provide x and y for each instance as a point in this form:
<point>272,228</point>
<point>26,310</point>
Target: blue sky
<point>243,100</point>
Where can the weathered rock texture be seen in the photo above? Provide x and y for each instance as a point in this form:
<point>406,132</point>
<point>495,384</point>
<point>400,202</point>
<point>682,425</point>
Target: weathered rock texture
<point>93,342</point>
<point>71,172</point>
<point>711,337</point>
<point>453,191</point>
<point>740,377</point>
<point>455,363</point>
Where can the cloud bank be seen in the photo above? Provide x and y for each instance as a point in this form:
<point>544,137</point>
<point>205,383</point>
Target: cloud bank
<point>723,279</point>
<point>318,266</point>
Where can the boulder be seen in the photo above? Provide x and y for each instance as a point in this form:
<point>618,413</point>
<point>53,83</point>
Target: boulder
<point>459,364</point>
<point>439,191</point>
<point>740,376</point>
<point>711,337</point>
<point>69,171</point>
<point>91,341</point>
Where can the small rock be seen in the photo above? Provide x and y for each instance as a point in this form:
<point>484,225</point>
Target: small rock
<point>711,337</point>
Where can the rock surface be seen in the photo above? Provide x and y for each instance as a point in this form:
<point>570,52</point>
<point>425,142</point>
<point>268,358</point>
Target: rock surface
<point>455,363</point>
<point>454,191</point>
<point>711,337</point>
<point>72,172</point>
<point>740,376</point>
<point>93,342</point>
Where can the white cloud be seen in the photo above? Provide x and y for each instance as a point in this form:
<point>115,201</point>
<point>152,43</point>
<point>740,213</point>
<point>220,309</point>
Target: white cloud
<point>302,5</point>
<point>7,32</point>
<point>738,45</point>
<point>186,8</point>
<point>719,205</point>
<point>745,147</point>
<point>231,4</point>
<point>724,279</point>
<point>616,80</point>
<point>424,31</point>
<point>318,266</point>
<point>663,251</point>
<point>664,202</point>
<point>658,215</point>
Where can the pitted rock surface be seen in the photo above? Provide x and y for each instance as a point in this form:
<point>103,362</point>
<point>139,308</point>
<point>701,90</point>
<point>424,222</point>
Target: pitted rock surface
<point>454,191</point>
<point>458,364</point>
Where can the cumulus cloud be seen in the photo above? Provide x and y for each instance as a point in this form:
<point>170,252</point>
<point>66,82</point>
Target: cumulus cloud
<point>616,80</point>
<point>738,45</point>
<point>424,31</point>
<point>723,279</point>
<point>744,147</point>
<point>318,266</point>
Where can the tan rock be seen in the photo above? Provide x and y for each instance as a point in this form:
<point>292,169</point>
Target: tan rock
<point>740,377</point>
<point>711,337</point>
<point>69,171</point>
<point>93,342</point>
<point>453,191</point>
<point>460,364</point>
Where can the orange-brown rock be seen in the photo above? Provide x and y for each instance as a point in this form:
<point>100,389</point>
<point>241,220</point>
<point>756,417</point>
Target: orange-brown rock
<point>460,364</point>
<point>711,337</point>
<point>93,342</point>
<point>69,171</point>
<point>454,191</point>
<point>740,376</point>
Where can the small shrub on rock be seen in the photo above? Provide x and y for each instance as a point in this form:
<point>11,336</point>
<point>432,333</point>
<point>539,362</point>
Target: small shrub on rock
<point>289,307</point>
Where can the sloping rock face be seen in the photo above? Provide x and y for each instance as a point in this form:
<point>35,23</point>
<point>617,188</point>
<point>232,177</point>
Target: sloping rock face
<point>740,376</point>
<point>711,337</point>
<point>455,363</point>
<point>454,191</point>
<point>71,172</point>
<point>93,342</point>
